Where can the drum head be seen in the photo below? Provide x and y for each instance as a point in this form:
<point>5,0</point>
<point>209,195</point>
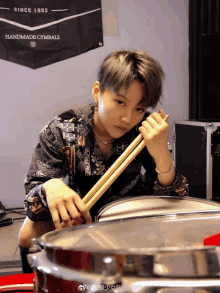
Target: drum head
<point>130,235</point>
<point>154,205</point>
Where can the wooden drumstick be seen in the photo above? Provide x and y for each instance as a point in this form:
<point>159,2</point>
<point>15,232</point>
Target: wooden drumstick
<point>111,170</point>
<point>115,175</point>
<point>116,169</point>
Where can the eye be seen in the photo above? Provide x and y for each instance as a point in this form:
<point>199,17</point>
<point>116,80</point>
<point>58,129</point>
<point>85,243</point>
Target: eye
<point>141,110</point>
<point>120,102</point>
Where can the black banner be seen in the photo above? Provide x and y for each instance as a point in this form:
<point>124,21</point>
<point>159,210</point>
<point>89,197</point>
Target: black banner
<point>36,33</point>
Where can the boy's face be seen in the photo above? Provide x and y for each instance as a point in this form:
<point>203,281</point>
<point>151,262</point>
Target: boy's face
<point>118,113</point>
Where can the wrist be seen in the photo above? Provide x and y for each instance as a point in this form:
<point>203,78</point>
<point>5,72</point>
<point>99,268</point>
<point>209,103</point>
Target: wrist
<point>166,173</point>
<point>164,161</point>
<point>54,183</point>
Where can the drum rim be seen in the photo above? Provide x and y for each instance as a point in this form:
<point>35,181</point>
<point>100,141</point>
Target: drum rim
<point>40,265</point>
<point>127,199</point>
<point>127,251</point>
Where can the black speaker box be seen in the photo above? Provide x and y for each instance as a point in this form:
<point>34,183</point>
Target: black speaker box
<point>209,87</point>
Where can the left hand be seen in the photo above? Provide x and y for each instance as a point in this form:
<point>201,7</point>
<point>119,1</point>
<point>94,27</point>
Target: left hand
<point>155,131</point>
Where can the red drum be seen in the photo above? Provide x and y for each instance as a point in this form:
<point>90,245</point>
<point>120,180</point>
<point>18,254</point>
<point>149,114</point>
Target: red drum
<point>162,254</point>
<point>17,283</point>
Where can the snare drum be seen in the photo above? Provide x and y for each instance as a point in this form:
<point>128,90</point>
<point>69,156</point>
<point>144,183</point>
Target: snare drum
<point>157,254</point>
<point>148,206</point>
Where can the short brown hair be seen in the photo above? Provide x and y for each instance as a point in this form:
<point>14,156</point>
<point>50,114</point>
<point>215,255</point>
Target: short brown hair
<point>122,67</point>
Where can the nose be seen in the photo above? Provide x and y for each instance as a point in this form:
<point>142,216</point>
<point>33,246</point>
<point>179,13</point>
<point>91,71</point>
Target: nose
<point>127,118</point>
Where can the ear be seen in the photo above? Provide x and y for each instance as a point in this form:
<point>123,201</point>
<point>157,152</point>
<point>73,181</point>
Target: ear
<point>96,91</point>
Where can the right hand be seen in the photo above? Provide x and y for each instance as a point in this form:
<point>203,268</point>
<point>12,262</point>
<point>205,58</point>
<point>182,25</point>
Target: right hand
<point>66,204</point>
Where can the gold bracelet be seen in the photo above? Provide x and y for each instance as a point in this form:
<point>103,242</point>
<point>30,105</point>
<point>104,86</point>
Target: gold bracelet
<point>171,169</point>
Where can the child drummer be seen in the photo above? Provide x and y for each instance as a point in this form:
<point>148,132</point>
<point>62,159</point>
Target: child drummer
<point>78,146</point>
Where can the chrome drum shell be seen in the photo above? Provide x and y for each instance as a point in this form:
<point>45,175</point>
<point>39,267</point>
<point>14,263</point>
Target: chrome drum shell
<point>155,253</point>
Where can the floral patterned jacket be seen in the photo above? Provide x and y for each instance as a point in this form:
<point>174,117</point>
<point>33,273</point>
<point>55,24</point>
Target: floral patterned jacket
<point>67,149</point>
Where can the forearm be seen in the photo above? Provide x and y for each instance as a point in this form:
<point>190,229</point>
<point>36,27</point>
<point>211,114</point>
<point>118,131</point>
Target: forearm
<point>163,165</point>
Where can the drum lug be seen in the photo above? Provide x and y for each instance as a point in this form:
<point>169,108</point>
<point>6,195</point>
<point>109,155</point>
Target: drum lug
<point>33,251</point>
<point>110,274</point>
<point>34,246</point>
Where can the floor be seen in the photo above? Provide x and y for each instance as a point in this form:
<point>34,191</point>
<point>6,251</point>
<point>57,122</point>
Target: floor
<point>9,236</point>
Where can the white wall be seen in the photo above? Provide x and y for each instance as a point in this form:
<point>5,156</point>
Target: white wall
<point>30,98</point>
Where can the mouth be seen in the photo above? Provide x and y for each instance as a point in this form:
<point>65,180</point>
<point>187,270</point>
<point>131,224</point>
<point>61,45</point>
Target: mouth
<point>121,128</point>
